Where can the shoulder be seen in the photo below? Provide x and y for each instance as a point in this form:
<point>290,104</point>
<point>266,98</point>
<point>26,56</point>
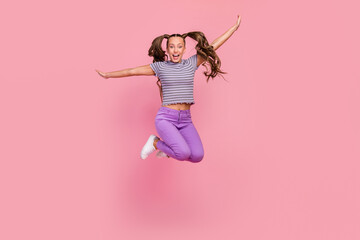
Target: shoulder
<point>191,60</point>
<point>194,60</point>
<point>192,57</point>
<point>157,67</point>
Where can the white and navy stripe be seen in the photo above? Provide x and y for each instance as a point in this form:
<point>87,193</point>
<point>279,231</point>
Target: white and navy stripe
<point>177,79</point>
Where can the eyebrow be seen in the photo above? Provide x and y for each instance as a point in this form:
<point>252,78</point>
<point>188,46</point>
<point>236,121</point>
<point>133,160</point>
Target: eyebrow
<point>173,43</point>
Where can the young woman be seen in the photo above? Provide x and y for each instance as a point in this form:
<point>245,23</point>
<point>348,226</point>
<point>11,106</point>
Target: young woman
<point>179,138</point>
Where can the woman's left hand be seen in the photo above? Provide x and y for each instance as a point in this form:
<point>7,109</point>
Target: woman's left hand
<point>238,22</point>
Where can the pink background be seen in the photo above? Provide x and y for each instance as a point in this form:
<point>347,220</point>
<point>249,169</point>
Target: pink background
<point>281,137</point>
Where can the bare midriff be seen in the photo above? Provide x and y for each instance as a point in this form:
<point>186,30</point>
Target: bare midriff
<point>179,106</point>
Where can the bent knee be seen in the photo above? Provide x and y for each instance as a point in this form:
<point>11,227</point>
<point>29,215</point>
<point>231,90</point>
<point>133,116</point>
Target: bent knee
<point>197,157</point>
<point>183,154</point>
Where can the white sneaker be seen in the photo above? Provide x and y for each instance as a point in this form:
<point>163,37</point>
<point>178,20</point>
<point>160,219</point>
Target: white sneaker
<point>161,154</point>
<point>148,147</point>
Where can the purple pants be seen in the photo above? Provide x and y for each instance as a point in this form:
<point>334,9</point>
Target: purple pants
<point>179,138</point>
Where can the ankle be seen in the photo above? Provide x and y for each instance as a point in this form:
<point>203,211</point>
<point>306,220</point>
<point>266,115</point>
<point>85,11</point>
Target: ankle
<point>155,142</point>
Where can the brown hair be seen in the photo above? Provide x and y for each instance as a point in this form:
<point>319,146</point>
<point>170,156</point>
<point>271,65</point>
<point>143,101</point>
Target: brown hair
<point>203,49</point>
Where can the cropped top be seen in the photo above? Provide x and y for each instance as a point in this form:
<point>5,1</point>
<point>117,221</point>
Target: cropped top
<point>177,80</point>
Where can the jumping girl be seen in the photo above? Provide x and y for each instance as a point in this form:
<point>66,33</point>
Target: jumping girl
<point>178,137</point>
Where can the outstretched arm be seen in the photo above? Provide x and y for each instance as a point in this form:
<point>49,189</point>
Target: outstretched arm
<point>136,71</point>
<point>220,40</point>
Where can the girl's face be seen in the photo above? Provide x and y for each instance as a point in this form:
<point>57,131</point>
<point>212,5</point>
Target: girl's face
<point>176,49</point>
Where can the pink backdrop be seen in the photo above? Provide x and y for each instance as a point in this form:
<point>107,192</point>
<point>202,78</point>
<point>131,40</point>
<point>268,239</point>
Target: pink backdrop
<point>281,137</point>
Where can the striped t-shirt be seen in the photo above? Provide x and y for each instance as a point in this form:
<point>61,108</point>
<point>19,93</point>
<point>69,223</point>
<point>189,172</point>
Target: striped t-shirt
<point>177,79</point>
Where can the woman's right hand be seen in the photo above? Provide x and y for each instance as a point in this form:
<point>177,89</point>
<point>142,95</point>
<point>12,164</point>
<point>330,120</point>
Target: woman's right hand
<point>104,75</point>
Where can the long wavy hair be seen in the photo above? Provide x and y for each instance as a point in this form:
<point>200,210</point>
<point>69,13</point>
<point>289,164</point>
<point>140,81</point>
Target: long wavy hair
<point>203,48</point>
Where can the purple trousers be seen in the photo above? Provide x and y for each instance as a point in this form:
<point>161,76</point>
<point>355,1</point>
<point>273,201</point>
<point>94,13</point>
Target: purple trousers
<point>179,137</point>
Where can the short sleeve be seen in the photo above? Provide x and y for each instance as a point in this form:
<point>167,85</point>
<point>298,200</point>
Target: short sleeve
<point>155,66</point>
<point>193,61</point>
